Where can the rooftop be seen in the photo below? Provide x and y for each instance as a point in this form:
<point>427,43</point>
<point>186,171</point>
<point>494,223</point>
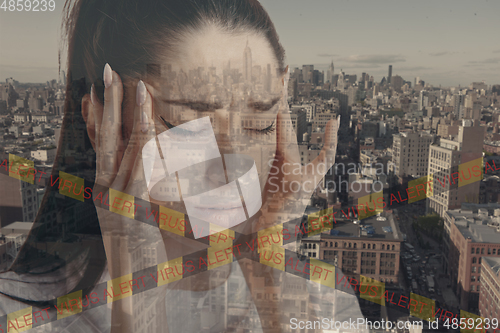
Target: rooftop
<point>494,263</point>
<point>375,230</point>
<point>478,233</point>
<point>25,226</point>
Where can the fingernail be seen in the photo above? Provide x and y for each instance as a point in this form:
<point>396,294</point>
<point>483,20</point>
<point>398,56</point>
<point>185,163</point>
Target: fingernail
<point>93,98</point>
<point>141,94</point>
<point>108,75</point>
<point>144,122</point>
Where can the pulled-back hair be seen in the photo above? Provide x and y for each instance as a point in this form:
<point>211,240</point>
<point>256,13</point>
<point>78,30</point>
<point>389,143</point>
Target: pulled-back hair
<point>129,35</point>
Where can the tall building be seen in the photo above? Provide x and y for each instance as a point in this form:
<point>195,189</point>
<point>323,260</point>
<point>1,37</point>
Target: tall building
<point>473,235</point>
<point>31,200</point>
<point>341,82</point>
<point>307,73</point>
<point>459,105</point>
<point>329,73</point>
<point>489,295</point>
<point>411,154</point>
<point>389,76</point>
<point>247,63</point>
<point>299,123</point>
<point>444,160</point>
<point>423,100</point>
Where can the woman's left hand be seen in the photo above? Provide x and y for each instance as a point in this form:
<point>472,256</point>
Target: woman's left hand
<point>299,182</point>
<point>119,168</point>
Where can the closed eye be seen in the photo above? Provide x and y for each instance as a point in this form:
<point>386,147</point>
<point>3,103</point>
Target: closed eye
<point>195,105</point>
<point>177,129</point>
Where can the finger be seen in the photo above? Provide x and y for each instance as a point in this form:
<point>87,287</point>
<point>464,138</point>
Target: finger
<point>286,138</point>
<point>111,149</point>
<point>131,169</point>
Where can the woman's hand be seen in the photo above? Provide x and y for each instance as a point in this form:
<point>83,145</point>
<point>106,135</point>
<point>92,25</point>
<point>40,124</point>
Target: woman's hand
<point>119,167</point>
<point>298,182</point>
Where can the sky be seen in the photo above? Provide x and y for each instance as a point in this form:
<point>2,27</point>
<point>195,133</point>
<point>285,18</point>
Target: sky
<point>445,42</point>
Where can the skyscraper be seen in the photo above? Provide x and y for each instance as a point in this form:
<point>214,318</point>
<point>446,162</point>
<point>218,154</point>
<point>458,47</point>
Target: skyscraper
<point>329,73</point>
<point>411,154</point>
<point>389,76</point>
<point>307,73</point>
<point>445,159</point>
<point>247,64</point>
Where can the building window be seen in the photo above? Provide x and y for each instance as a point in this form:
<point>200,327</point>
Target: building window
<point>489,250</point>
<point>482,250</point>
<point>355,245</point>
<point>473,269</point>
<point>474,260</point>
<point>369,246</point>
<point>494,251</point>
<point>374,246</point>
<point>314,246</point>
<point>364,246</point>
<point>383,247</point>
<point>336,245</point>
<point>331,244</point>
<point>472,251</point>
<point>477,251</point>
<point>393,247</point>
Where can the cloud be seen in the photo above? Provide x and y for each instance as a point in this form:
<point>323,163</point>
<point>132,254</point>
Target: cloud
<point>414,68</point>
<point>486,61</point>
<point>496,51</point>
<point>439,54</point>
<point>326,55</point>
<point>373,59</point>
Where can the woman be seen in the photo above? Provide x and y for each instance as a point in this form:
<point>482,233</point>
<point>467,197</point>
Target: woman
<point>189,114</point>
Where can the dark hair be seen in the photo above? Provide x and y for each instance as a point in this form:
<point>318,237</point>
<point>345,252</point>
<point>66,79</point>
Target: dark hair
<point>131,34</point>
<point>127,34</point>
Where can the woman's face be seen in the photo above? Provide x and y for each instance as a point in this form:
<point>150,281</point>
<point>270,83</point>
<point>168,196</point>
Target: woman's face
<point>215,110</point>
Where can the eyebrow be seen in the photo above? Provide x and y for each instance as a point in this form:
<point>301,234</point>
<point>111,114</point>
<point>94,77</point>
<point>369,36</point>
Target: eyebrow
<point>263,106</point>
<point>204,106</point>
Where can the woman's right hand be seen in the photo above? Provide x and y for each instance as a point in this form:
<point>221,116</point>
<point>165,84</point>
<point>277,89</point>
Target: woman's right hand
<point>119,168</point>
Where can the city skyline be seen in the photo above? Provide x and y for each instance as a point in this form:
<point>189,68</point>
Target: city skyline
<point>446,44</point>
